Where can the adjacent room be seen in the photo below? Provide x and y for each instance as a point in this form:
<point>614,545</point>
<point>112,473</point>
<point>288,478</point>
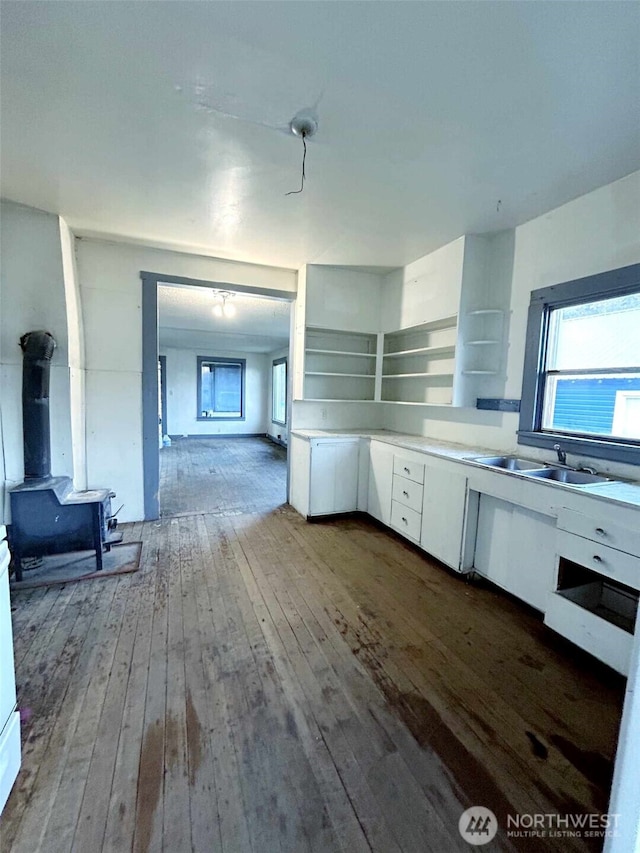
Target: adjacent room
<point>319,426</point>
<point>223,400</point>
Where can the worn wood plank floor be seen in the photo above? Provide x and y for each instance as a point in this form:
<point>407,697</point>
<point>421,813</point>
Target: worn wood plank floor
<point>222,475</point>
<point>263,684</point>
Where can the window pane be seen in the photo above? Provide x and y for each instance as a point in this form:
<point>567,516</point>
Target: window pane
<point>603,334</point>
<point>227,388</point>
<point>599,404</point>
<point>279,402</point>
<point>206,401</point>
<point>220,390</point>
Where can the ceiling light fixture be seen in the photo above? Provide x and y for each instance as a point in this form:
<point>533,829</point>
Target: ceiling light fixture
<point>222,307</point>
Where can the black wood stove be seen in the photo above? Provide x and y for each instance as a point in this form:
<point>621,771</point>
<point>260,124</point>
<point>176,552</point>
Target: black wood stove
<point>47,515</point>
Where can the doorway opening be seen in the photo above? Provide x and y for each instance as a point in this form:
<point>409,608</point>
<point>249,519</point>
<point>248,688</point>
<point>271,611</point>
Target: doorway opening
<point>216,397</point>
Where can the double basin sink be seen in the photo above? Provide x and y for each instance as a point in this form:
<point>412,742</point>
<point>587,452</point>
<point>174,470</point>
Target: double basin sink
<point>568,476</point>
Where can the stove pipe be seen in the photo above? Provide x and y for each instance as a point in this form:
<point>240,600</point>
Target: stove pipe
<point>37,348</point>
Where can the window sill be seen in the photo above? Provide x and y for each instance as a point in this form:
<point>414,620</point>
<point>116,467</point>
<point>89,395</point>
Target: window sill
<point>221,419</point>
<point>614,451</point>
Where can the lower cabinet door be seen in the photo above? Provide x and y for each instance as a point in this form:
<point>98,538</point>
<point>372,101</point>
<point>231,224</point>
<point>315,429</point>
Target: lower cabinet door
<point>406,521</point>
<point>443,515</point>
<point>9,757</point>
<point>7,675</point>
<point>380,480</point>
<point>515,548</point>
<point>334,477</point>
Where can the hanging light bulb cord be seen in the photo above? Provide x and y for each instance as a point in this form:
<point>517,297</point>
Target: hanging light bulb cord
<point>304,158</point>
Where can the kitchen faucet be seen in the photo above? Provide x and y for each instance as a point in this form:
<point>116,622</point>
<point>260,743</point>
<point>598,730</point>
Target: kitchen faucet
<point>562,454</point>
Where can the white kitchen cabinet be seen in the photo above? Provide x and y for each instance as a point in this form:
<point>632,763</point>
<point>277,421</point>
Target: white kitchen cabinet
<point>380,481</point>
<point>515,549</point>
<point>334,476</point>
<point>9,716</point>
<point>325,475</point>
<point>595,599</point>
<point>443,515</point>
<point>299,473</point>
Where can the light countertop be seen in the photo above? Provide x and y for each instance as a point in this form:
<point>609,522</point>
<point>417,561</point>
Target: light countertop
<point>620,492</point>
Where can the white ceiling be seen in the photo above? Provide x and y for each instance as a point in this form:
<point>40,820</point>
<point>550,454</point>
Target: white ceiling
<point>186,320</point>
<point>436,119</point>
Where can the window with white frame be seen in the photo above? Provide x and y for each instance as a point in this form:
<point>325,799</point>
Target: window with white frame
<point>582,367</point>
<point>279,391</point>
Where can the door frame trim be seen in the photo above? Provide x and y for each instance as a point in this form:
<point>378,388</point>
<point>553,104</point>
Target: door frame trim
<point>150,354</point>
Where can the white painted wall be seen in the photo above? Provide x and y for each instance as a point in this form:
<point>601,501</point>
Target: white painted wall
<point>309,415</point>
<point>32,296</point>
<point>273,428</point>
<point>339,298</point>
<point>181,379</point>
<point>110,286</point>
<point>594,233</point>
<point>428,289</point>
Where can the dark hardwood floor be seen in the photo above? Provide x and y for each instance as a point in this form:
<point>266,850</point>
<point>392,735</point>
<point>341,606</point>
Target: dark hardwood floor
<point>264,684</point>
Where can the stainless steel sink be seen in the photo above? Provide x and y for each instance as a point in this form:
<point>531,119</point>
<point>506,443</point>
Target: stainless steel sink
<point>508,463</point>
<point>566,475</point>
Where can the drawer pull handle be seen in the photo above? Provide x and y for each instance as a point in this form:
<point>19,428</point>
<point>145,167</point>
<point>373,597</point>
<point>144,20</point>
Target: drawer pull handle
<point>600,531</point>
<point>405,520</point>
<point>406,494</point>
<point>597,559</point>
<point>407,470</point>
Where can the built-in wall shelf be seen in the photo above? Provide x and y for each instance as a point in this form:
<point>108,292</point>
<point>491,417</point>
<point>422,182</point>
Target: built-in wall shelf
<point>340,365</point>
<point>342,352</point>
<point>351,375</point>
<point>460,302</point>
<point>480,351</point>
<point>428,351</point>
<point>418,363</point>
<point>332,400</point>
<point>415,375</point>
<point>409,403</point>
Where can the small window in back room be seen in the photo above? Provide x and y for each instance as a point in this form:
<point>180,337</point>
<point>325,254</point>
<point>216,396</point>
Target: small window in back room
<point>279,391</point>
<point>592,369</point>
<point>220,388</point>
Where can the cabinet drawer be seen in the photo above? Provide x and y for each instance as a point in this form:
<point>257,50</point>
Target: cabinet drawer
<point>605,641</point>
<point>599,558</point>
<point>406,468</point>
<point>605,533</point>
<point>406,521</point>
<point>407,492</point>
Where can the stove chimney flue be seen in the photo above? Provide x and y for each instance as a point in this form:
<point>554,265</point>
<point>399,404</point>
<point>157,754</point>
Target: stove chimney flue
<point>37,348</point>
